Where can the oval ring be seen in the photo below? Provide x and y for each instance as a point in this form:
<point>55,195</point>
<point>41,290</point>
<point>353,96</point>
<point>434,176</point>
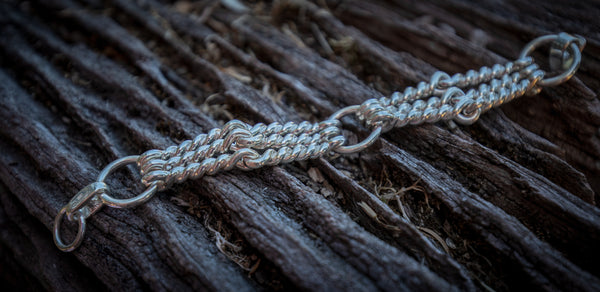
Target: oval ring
<point>78,238</point>
<point>358,146</point>
<point>111,167</point>
<point>574,49</point>
<point>124,203</point>
<point>131,202</point>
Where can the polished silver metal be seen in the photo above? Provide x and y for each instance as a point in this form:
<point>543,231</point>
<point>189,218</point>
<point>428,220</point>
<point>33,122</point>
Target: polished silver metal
<point>460,97</point>
<point>560,57</point>
<point>91,199</point>
<point>360,145</point>
<point>83,205</point>
<point>66,247</point>
<point>565,55</point>
<point>106,199</point>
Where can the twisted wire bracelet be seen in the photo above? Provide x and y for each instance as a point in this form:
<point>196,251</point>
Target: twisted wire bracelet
<point>461,98</point>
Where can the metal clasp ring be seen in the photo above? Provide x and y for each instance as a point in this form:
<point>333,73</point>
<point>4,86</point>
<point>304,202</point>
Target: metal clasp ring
<point>91,198</point>
<point>364,143</point>
<point>78,238</point>
<point>565,55</point>
<point>124,203</point>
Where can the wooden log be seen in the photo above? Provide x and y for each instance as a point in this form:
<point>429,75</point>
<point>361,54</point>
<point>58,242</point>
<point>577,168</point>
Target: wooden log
<point>507,203</point>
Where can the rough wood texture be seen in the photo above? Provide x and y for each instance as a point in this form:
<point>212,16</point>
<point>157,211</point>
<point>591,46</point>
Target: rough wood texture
<point>510,202</point>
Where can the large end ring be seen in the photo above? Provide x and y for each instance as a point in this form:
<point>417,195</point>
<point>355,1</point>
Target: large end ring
<point>124,203</point>
<point>565,55</point>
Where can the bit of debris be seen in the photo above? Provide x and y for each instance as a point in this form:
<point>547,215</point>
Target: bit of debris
<point>367,209</point>
<point>321,39</point>
<point>344,44</point>
<point>233,72</point>
<point>232,251</point>
<point>315,175</point>
<point>235,6</point>
<point>180,202</point>
<point>436,237</point>
<point>373,215</point>
<point>183,6</point>
<point>327,189</point>
<point>288,29</point>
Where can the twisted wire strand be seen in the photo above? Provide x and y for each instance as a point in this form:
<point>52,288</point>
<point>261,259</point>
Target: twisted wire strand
<point>461,97</point>
<point>496,86</point>
<point>241,145</point>
<point>238,144</point>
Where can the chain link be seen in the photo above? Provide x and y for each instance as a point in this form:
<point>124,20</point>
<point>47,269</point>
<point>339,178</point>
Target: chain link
<point>461,97</point>
<point>239,145</point>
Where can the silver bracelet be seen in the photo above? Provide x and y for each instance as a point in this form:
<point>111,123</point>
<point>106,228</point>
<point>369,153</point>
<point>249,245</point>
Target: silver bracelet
<point>461,98</point>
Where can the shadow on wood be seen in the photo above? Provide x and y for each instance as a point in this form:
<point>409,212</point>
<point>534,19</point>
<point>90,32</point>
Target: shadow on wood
<point>507,203</point>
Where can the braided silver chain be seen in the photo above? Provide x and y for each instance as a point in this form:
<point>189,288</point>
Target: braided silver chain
<point>241,145</point>
<point>461,98</point>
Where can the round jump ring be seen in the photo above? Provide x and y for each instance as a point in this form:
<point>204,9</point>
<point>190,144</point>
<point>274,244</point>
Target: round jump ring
<point>467,111</point>
<point>468,119</point>
<point>358,146</point>
<point>575,45</point>
<point>78,238</point>
<point>124,203</point>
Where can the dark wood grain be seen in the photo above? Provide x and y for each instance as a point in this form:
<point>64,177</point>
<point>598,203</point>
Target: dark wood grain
<point>508,203</point>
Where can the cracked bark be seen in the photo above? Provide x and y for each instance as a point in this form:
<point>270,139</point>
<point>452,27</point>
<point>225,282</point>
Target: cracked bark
<point>507,202</point>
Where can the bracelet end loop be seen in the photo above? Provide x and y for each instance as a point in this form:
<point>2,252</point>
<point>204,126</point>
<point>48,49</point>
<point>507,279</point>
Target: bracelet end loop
<point>91,198</point>
<point>561,59</point>
<point>82,206</point>
<point>565,55</point>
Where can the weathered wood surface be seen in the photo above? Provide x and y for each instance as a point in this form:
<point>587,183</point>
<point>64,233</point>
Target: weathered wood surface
<point>510,202</point>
